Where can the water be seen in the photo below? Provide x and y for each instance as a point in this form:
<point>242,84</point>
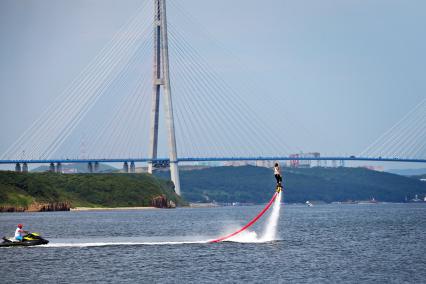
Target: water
<point>382,243</point>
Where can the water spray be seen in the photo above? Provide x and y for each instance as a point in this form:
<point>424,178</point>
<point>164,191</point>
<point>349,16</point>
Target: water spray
<point>273,219</point>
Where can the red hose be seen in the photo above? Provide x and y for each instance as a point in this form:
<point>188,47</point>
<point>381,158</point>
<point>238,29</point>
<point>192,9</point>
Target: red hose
<point>249,223</point>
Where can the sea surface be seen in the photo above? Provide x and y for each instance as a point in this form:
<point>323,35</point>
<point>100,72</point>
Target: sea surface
<point>371,243</point>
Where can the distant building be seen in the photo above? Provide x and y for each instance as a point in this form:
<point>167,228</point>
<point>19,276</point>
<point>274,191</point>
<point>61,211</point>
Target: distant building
<point>239,163</point>
<point>305,163</point>
<point>208,164</point>
<point>265,164</point>
<point>69,170</point>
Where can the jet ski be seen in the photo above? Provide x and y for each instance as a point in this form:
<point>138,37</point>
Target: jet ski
<point>31,239</point>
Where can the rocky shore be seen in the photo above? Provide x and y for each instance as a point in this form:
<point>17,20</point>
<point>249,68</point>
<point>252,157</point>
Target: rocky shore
<point>161,201</point>
<point>38,207</point>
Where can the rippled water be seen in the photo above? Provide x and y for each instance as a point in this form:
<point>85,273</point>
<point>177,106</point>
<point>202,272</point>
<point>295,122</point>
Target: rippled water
<point>382,243</point>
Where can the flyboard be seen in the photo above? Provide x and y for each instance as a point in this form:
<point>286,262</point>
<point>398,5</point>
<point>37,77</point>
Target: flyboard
<point>254,220</point>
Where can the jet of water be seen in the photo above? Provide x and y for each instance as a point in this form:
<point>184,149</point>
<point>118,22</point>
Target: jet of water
<point>270,233</point>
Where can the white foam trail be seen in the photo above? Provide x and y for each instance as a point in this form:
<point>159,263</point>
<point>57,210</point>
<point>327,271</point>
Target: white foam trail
<point>270,233</point>
<point>103,244</point>
<point>126,241</point>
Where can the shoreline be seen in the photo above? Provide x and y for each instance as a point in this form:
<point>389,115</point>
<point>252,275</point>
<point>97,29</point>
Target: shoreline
<point>111,208</point>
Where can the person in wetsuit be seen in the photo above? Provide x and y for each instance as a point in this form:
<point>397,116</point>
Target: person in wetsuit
<point>277,174</point>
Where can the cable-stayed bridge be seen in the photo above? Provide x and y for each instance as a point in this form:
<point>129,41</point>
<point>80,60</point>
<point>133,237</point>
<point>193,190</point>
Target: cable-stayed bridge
<point>111,111</point>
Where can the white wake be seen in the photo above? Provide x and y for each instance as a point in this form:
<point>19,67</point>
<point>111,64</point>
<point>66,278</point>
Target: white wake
<point>125,241</point>
<point>103,244</point>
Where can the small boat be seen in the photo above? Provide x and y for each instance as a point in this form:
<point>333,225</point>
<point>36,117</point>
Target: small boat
<point>31,239</point>
<point>416,199</point>
<point>309,203</point>
<point>371,201</point>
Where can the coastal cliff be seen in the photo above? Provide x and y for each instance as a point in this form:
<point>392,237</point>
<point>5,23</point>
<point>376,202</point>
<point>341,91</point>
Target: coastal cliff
<point>37,207</point>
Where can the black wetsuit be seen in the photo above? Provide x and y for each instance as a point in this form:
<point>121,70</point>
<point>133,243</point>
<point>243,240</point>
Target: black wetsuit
<point>277,174</point>
<point>279,179</point>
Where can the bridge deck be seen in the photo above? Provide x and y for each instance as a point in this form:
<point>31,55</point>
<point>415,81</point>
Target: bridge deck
<point>216,159</point>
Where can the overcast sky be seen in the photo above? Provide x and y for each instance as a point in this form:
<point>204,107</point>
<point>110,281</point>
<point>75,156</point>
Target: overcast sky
<point>347,70</point>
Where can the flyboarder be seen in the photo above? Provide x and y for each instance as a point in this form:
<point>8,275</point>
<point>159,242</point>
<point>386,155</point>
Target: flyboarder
<point>278,177</point>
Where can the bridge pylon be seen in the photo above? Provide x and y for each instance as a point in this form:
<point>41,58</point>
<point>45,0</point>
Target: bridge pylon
<point>161,80</point>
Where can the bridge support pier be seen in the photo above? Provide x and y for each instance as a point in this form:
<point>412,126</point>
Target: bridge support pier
<point>90,167</point>
<point>18,167</point>
<point>174,173</point>
<point>132,167</point>
<point>161,78</point>
<point>52,167</point>
<point>59,168</point>
<point>126,167</point>
<point>25,168</point>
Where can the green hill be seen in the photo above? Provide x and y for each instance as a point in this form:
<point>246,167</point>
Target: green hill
<point>221,184</point>
<point>88,190</point>
<point>256,184</point>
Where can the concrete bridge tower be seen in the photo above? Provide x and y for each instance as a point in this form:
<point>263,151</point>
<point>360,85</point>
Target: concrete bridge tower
<point>161,80</point>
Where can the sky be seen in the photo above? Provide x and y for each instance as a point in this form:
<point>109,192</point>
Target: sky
<point>345,71</point>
